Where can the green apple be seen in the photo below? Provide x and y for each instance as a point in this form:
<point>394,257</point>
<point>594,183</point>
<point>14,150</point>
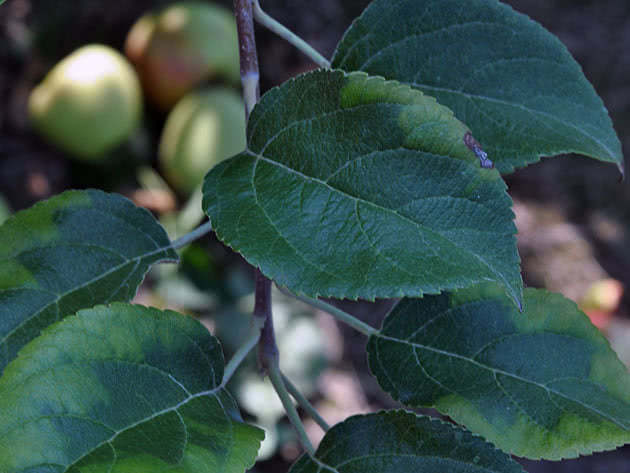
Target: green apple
<point>202,130</point>
<point>89,103</point>
<point>182,46</point>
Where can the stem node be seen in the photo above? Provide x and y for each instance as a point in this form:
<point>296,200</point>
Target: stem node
<point>267,348</point>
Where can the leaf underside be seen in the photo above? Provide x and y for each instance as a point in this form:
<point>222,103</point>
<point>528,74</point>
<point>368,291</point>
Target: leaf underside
<point>71,252</point>
<point>122,389</point>
<point>511,81</point>
<point>402,442</point>
<point>539,384</point>
<point>354,187</point>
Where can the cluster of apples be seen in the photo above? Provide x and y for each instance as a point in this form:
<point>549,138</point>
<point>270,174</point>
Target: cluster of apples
<point>92,101</point>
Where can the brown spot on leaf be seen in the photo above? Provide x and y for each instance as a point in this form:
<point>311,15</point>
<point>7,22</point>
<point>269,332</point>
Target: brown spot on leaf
<point>475,147</point>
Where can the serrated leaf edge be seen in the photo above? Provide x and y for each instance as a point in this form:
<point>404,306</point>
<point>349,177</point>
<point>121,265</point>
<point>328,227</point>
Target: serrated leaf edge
<point>210,392</point>
<point>397,85</point>
<point>43,203</point>
<point>401,411</point>
<point>508,169</point>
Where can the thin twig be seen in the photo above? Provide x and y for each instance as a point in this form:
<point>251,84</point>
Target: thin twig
<point>286,34</point>
<point>267,347</point>
<point>305,403</point>
<point>250,76</point>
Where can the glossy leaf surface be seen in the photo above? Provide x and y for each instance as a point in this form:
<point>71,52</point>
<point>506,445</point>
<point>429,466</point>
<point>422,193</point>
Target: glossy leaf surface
<point>122,389</point>
<point>71,252</point>
<point>402,442</point>
<point>540,384</point>
<point>354,187</point>
<point>511,81</point>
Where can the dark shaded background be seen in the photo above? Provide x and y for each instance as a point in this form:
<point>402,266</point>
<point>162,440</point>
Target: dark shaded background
<point>572,213</point>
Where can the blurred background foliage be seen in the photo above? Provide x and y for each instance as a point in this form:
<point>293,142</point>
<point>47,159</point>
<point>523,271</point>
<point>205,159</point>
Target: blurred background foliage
<point>572,214</point>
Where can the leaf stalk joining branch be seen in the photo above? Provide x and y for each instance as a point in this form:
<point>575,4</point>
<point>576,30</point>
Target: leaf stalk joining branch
<point>305,403</point>
<point>243,351</point>
<point>339,314</point>
<point>198,232</point>
<point>278,383</point>
<point>286,34</point>
<point>268,355</point>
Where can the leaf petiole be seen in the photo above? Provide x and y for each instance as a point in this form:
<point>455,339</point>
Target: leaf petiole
<point>251,341</point>
<point>305,403</point>
<point>191,236</point>
<point>286,34</point>
<point>278,384</point>
<point>335,312</point>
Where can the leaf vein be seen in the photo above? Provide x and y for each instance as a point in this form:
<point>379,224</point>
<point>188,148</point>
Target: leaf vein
<point>506,103</point>
<point>502,372</point>
<point>84,284</point>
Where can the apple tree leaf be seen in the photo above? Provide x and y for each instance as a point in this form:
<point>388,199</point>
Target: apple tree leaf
<point>355,187</point>
<point>539,384</point>
<point>511,81</point>
<point>73,251</point>
<point>119,389</point>
<point>403,442</point>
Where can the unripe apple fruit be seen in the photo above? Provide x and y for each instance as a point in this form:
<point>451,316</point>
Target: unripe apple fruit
<point>178,48</point>
<point>203,129</point>
<point>89,103</point>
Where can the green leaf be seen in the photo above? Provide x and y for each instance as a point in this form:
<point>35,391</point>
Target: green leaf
<point>538,384</point>
<point>122,389</point>
<point>71,252</point>
<point>510,80</point>
<point>402,442</point>
<point>355,187</point>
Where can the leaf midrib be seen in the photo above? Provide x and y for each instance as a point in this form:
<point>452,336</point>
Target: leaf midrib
<point>394,44</point>
<point>506,103</point>
<point>135,259</point>
<point>259,157</point>
<point>128,223</point>
<point>174,408</point>
<point>452,26</point>
<point>502,372</point>
<point>148,366</point>
<point>211,392</point>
